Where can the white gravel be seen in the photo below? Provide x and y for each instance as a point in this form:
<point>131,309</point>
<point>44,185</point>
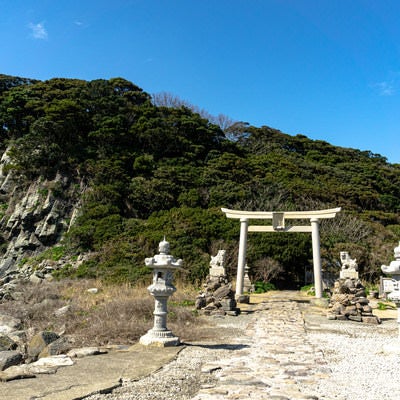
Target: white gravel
<point>360,366</point>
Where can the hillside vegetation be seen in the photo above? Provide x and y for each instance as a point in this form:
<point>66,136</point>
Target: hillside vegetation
<point>145,171</point>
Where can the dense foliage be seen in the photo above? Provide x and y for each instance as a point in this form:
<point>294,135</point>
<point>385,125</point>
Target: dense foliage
<point>149,171</point>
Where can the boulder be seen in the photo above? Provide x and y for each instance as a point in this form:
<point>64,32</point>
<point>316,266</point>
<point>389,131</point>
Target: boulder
<point>9,358</point>
<point>57,347</point>
<point>6,343</point>
<point>38,343</point>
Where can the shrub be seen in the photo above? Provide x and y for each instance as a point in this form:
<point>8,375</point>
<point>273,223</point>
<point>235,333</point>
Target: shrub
<point>263,287</point>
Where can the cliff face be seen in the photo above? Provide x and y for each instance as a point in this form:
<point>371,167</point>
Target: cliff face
<point>34,215</point>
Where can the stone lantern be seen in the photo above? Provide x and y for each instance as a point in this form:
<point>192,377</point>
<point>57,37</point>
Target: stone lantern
<point>392,287</point>
<point>163,265</point>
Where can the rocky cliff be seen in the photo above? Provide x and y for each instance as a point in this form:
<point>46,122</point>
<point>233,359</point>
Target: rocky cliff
<point>34,215</point>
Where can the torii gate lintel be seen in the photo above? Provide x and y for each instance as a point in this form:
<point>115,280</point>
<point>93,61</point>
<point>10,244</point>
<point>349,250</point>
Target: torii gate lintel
<point>278,225</point>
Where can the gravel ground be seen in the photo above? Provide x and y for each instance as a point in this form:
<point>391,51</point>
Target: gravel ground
<point>181,379</point>
<point>360,368</point>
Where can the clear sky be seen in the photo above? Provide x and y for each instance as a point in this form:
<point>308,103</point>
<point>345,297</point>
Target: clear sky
<point>327,69</point>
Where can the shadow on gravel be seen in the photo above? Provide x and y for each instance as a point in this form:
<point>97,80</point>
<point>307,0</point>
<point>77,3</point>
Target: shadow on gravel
<point>220,346</point>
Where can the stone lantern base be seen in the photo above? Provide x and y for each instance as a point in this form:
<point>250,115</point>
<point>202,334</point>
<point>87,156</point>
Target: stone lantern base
<point>159,339</point>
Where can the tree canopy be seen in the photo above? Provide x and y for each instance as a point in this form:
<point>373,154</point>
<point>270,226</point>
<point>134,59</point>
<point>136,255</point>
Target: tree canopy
<point>153,170</point>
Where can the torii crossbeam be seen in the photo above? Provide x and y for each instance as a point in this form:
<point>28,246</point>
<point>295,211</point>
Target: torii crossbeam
<point>278,225</point>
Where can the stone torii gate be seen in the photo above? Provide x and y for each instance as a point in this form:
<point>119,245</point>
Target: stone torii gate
<point>278,225</point>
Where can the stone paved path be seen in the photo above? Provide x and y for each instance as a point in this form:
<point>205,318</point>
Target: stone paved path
<point>275,360</point>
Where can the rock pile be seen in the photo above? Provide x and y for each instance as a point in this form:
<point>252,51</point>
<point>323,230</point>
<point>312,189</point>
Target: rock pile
<point>43,353</point>
<point>349,302</point>
<point>33,273</point>
<point>217,298</point>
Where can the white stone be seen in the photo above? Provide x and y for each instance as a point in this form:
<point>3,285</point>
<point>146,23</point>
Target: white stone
<point>54,361</point>
<point>85,351</point>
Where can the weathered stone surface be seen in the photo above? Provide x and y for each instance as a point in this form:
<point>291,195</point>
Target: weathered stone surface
<point>367,309</point>
<point>223,291</point>
<point>244,299</point>
<point>15,372</point>
<point>9,358</point>
<point>39,342</point>
<point>34,221</point>
<point>85,351</point>
<point>356,318</point>
<point>58,346</point>
<point>228,304</point>
<point>6,343</point>
<point>371,320</point>
<point>61,360</point>
<point>362,300</point>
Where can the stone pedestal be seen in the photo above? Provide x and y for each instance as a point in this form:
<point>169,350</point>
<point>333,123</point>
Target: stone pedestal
<point>160,335</point>
<point>217,265</point>
<point>162,288</point>
<point>349,266</point>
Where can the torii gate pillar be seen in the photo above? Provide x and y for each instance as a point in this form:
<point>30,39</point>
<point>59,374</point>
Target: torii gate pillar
<point>244,223</point>
<point>278,225</point>
<point>316,257</point>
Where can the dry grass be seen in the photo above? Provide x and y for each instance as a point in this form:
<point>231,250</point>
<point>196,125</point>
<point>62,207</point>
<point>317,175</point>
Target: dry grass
<point>114,315</point>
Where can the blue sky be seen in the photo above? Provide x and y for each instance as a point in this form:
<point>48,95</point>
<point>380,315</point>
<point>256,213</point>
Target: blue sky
<point>327,69</point>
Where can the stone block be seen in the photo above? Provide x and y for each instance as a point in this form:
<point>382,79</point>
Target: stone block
<point>367,309</point>
<point>223,291</point>
<point>244,299</point>
<point>217,271</point>
<point>371,320</point>
<point>228,304</point>
<point>348,274</point>
<point>356,318</point>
